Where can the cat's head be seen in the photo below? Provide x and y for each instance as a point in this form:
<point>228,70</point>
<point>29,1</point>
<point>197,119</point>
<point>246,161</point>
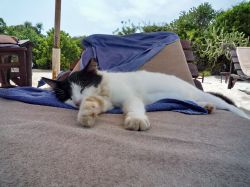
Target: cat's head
<point>76,86</point>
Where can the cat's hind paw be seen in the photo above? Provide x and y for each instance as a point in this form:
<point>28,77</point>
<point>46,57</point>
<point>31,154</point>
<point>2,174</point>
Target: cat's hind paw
<point>208,106</point>
<point>136,123</point>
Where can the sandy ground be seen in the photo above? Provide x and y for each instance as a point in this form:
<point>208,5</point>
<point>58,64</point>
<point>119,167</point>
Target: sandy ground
<point>240,93</point>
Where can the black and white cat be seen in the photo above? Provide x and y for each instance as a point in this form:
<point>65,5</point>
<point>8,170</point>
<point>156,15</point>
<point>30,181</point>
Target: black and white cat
<point>95,92</point>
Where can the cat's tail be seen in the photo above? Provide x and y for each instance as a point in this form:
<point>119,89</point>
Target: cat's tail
<point>238,111</point>
<point>224,104</point>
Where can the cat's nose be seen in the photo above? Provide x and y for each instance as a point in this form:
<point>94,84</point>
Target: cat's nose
<point>77,103</point>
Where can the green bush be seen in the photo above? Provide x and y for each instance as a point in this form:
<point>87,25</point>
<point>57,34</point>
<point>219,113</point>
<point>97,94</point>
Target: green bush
<point>236,18</point>
<point>213,48</point>
<point>70,51</point>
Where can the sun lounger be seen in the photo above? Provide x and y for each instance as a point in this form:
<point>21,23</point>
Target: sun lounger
<point>240,65</point>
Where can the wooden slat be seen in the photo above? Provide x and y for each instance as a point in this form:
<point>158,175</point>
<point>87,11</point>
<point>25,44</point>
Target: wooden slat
<point>235,59</point>
<point>235,76</point>
<point>233,53</point>
<point>9,65</point>
<point>237,66</point>
<point>194,70</point>
<point>186,44</point>
<point>240,72</point>
<point>14,49</point>
<point>189,55</point>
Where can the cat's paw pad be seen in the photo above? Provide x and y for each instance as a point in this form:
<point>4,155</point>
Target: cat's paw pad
<point>86,120</point>
<point>91,108</point>
<point>88,113</point>
<point>136,124</point>
<point>210,108</point>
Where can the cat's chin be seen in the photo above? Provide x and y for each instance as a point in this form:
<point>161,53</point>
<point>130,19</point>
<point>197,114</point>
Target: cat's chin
<point>71,103</point>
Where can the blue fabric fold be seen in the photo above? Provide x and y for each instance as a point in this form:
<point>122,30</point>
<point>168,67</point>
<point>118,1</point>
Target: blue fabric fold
<point>33,95</point>
<point>46,97</point>
<point>124,53</point>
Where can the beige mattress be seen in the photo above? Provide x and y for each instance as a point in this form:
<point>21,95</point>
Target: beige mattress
<point>44,146</point>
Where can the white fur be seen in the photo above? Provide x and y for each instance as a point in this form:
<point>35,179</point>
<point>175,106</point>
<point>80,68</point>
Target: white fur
<point>133,90</point>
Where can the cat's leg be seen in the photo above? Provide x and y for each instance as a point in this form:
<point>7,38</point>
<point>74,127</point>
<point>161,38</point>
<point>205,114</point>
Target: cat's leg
<point>135,117</point>
<point>90,108</point>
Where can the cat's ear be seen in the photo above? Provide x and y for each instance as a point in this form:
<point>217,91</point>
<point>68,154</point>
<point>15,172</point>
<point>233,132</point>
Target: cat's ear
<point>52,83</point>
<point>92,66</point>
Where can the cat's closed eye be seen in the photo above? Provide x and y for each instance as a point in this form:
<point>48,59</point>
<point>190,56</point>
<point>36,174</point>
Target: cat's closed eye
<point>81,90</point>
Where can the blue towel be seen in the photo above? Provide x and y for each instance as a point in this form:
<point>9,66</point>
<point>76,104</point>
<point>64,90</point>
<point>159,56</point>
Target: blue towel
<point>45,97</point>
<point>124,53</point>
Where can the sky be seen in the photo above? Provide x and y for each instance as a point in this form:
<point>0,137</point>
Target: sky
<point>86,17</point>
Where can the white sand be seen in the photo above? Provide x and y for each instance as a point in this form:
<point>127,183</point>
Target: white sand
<point>238,93</point>
<point>37,74</point>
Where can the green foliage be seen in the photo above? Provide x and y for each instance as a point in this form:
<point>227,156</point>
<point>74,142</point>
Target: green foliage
<point>206,73</point>
<point>236,18</point>
<point>127,28</point>
<point>40,53</point>
<point>39,28</point>
<point>214,47</point>
<point>69,48</point>
<point>2,26</point>
<point>155,28</point>
<point>78,41</point>
<point>25,31</point>
<point>193,23</point>
<point>42,45</point>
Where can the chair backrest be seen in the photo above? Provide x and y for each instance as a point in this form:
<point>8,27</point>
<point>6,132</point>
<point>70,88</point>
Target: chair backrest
<point>235,64</point>
<point>187,48</point>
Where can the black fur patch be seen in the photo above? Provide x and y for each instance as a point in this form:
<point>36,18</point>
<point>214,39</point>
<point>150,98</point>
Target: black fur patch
<point>226,99</point>
<point>63,90</point>
<point>83,78</point>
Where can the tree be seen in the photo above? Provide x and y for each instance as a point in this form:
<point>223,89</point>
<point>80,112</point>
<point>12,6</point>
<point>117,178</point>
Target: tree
<point>39,28</point>
<point>237,18</point>
<point>2,26</point>
<point>190,25</point>
<point>78,40</point>
<point>70,51</point>
<point>127,28</point>
<point>155,28</point>
<point>27,24</point>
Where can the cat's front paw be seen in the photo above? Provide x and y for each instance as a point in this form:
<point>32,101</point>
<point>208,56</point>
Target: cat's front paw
<point>88,113</point>
<point>86,120</point>
<point>136,123</point>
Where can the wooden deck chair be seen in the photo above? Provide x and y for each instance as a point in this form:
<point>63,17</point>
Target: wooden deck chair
<point>187,48</point>
<point>240,65</point>
<point>15,62</point>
